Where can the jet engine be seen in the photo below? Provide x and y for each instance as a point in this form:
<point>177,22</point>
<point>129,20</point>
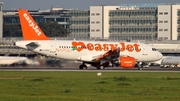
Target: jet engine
<point>125,62</point>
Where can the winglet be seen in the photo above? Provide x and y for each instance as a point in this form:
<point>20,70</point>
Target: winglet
<point>30,29</point>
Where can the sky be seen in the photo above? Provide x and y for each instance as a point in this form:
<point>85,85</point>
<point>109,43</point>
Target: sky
<point>70,4</point>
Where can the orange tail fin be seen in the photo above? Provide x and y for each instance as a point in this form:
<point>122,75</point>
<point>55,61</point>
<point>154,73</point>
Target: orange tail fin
<point>30,29</point>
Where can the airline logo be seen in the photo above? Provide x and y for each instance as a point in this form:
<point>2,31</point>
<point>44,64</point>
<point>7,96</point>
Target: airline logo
<point>32,25</point>
<point>79,46</point>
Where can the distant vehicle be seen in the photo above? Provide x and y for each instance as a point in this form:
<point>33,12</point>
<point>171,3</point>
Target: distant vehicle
<point>96,53</point>
<point>170,62</point>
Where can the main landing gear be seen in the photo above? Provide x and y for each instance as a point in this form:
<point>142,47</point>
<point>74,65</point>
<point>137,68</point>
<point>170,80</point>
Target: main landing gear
<point>100,67</point>
<point>83,66</point>
<point>96,64</point>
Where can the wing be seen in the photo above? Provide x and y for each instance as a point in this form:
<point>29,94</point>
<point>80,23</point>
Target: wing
<point>114,52</point>
<point>121,60</point>
<point>98,57</point>
<point>112,56</point>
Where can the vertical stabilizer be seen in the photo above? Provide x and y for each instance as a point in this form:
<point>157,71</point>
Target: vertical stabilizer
<point>30,29</point>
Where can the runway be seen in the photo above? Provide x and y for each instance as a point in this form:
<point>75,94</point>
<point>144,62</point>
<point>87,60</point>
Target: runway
<point>91,69</point>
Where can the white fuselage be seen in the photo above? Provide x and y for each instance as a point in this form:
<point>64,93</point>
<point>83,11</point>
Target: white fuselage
<point>73,50</point>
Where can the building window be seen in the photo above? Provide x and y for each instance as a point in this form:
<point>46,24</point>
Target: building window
<point>160,38</point>
<point>97,14</point>
<point>165,38</point>
<point>160,13</point>
<point>50,19</point>
<point>165,13</point>
<point>160,21</point>
<point>97,30</point>
<point>160,29</point>
<point>165,21</point>
<point>92,22</point>
<point>165,29</point>
<point>92,30</point>
<point>97,22</point>
<point>92,14</point>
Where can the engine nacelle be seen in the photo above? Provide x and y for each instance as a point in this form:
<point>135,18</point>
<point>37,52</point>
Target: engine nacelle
<point>127,62</point>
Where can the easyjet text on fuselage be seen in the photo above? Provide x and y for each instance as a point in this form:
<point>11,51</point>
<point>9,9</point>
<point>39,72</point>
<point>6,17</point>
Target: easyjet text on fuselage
<point>106,46</point>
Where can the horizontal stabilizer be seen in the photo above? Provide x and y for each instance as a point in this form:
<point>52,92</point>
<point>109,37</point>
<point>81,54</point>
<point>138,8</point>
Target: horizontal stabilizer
<point>32,45</point>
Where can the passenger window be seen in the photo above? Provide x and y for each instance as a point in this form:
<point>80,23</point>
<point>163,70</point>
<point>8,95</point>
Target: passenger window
<point>153,49</point>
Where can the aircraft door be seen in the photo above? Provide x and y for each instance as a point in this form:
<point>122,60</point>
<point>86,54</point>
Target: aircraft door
<point>52,47</point>
<point>145,50</point>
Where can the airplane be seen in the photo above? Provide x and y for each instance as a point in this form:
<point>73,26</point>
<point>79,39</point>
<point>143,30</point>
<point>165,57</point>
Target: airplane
<point>169,61</point>
<point>12,61</point>
<point>99,54</point>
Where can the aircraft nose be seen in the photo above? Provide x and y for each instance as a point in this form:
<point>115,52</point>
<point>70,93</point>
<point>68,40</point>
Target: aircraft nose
<point>159,55</point>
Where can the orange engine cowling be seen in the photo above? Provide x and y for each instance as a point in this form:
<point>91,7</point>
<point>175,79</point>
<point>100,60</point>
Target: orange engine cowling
<point>127,62</point>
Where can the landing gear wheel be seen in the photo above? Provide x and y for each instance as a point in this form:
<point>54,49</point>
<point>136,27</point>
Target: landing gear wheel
<point>100,67</point>
<point>82,67</point>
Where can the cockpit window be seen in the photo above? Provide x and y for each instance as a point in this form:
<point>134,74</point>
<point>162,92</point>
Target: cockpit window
<point>154,49</point>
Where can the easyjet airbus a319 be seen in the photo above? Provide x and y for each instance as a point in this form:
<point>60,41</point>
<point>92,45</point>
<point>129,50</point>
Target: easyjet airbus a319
<point>99,54</point>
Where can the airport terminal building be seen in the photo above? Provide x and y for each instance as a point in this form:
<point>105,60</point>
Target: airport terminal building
<point>126,21</point>
<point>136,22</point>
